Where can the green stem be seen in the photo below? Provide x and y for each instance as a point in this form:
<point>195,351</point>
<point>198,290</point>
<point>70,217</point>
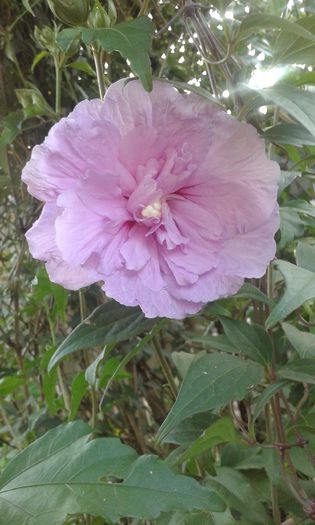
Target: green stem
<point>97,55</point>
<point>273,489</point>
<point>58,86</point>
<point>165,366</point>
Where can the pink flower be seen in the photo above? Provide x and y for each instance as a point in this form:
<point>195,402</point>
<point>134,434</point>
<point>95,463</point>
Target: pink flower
<point>162,196</point>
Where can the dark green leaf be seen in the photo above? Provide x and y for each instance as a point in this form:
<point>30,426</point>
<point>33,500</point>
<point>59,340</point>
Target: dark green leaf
<point>221,431</point>
<point>132,39</point>
<point>85,67</point>
<point>11,127</point>
<point>190,429</point>
<point>300,287</point>
<point>109,323</point>
<point>305,256</point>
<point>78,390</point>
<point>215,342</point>
<point>249,291</point>
<point>265,396</point>
<point>210,383</point>
<point>303,342</point>
<point>237,492</point>
<point>42,484</point>
<point>249,339</point>
<point>301,370</point>
<point>293,134</point>
<point>182,361</point>
<point>286,178</point>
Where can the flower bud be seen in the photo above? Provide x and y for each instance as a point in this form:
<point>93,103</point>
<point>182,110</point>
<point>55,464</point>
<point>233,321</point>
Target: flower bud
<point>71,12</point>
<point>98,17</point>
<point>45,37</point>
<point>112,13</point>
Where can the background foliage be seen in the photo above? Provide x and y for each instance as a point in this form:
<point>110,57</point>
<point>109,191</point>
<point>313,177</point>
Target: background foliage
<point>206,421</point>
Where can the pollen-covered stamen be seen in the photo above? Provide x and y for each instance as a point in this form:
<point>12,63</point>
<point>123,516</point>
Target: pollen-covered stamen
<point>152,210</point>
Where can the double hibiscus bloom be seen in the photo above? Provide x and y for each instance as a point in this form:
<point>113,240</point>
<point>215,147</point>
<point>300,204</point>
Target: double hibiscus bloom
<point>162,197</point>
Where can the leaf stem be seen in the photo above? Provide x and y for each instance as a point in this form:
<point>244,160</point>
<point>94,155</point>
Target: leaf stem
<point>165,366</point>
<point>97,55</point>
<point>58,86</point>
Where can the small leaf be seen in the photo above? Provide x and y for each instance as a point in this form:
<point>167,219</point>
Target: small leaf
<point>249,339</point>
<point>182,361</point>
<point>27,6</point>
<point>34,103</point>
<point>79,65</point>
<point>286,178</point>
<point>305,256</point>
<point>78,390</point>
<point>250,291</point>
<point>221,431</point>
<point>303,342</point>
<point>10,383</point>
<point>300,287</point>
<point>11,127</point>
<point>265,396</point>
<point>190,429</point>
<point>210,383</point>
<point>301,370</point>
<point>38,58</point>
<point>215,342</point>
<point>109,323</point>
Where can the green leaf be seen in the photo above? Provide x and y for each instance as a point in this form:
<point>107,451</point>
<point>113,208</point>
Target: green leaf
<point>296,49</point>
<point>293,134</point>
<point>85,67</point>
<point>255,22</point>
<point>221,431</point>
<point>38,58</point>
<point>291,226</point>
<point>190,429</point>
<point>249,339</point>
<point>301,370</point>
<point>43,288</point>
<point>49,381</point>
<point>109,323</point>
<point>91,371</point>
<point>305,256</point>
<point>250,291</point>
<point>300,287</point>
<point>132,39</point>
<point>78,390</point>
<point>286,178</point>
<point>34,103</point>
<point>182,361</point>
<point>265,396</point>
<point>214,342</point>
<point>11,127</point>
<point>300,104</point>
<point>235,489</point>
<point>28,7</point>
<point>303,342</point>
<point>65,472</point>
<point>10,383</point>
<point>212,381</point>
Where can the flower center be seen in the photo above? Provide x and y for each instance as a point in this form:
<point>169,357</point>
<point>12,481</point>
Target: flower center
<point>152,210</point>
